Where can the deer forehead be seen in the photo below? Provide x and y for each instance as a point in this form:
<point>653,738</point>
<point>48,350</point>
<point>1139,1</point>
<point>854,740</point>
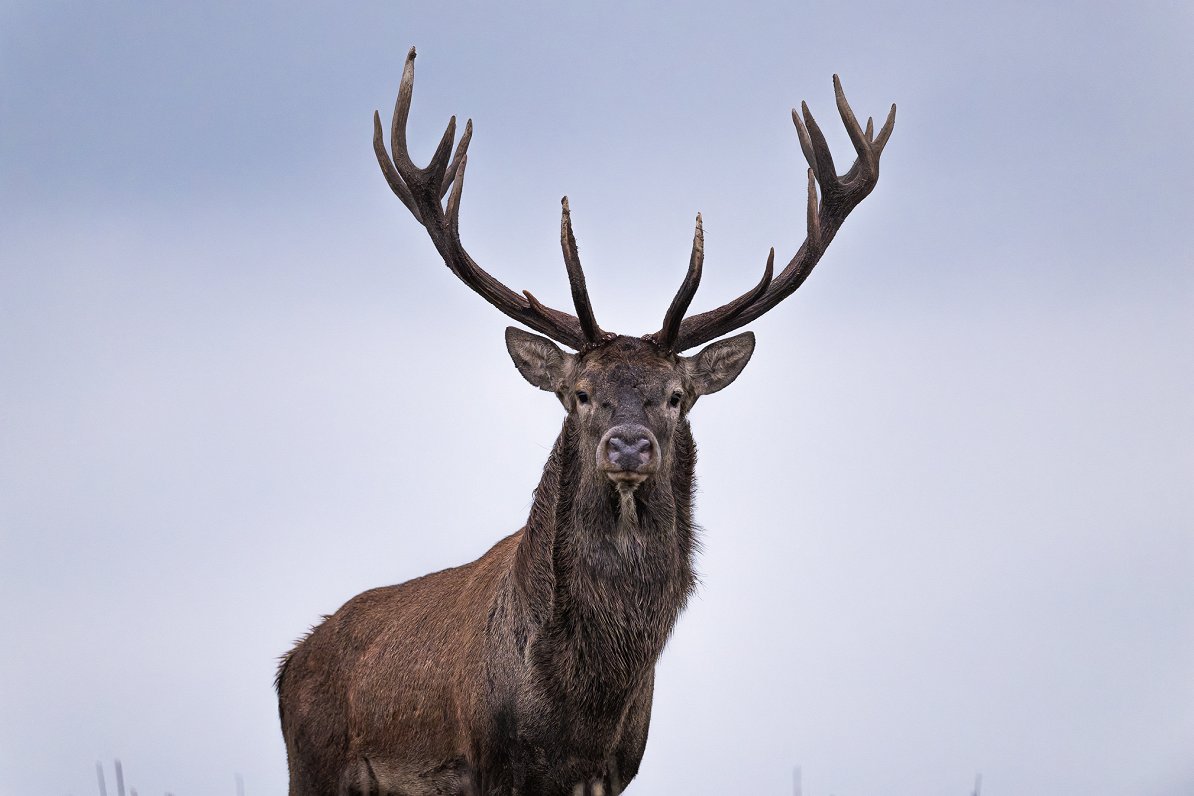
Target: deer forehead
<point>627,363</point>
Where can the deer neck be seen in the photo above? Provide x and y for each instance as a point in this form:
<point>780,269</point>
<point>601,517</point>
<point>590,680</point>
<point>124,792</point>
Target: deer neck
<point>605,573</point>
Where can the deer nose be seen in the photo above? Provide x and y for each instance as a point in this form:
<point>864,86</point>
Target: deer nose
<point>629,454</point>
<point>628,449</point>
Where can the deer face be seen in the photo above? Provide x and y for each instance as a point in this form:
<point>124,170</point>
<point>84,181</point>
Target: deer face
<point>627,396</point>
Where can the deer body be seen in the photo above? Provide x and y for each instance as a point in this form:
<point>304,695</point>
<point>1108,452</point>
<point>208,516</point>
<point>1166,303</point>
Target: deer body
<point>531,670</point>
<point>544,648</point>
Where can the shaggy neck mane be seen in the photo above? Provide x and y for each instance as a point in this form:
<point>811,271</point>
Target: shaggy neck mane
<point>602,575</point>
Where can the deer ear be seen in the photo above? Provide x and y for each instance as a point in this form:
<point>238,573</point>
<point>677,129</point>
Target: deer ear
<point>718,364</point>
<point>539,360</point>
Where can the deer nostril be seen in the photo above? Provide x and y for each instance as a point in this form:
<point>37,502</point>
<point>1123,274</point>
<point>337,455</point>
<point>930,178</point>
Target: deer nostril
<point>629,454</point>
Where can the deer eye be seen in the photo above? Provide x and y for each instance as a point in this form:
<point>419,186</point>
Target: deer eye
<point>582,397</point>
<point>675,399</point>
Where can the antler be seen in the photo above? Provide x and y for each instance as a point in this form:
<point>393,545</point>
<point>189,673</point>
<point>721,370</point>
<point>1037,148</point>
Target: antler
<point>422,191</point>
<point>839,195</point>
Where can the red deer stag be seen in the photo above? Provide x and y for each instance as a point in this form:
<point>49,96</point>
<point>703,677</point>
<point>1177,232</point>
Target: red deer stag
<point>530,670</point>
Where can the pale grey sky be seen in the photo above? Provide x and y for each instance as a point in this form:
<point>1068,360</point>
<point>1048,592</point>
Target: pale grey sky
<point>948,518</point>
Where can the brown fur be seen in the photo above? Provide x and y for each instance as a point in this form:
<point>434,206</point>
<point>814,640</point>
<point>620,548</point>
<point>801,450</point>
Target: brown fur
<point>531,669</point>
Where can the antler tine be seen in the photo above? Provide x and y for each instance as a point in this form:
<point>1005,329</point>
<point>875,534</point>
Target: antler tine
<point>454,200</point>
<point>406,90</point>
<point>422,190</point>
<point>437,169</point>
<point>866,156</point>
<point>824,217</point>
<point>457,159</point>
<point>806,146</point>
<point>822,160</point>
<point>885,131</point>
<point>389,171</point>
<point>666,337</point>
<point>576,277</point>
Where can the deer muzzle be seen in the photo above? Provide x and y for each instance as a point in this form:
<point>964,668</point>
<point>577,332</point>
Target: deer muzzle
<point>628,454</point>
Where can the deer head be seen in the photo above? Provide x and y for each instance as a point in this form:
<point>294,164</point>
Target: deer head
<point>627,395</point>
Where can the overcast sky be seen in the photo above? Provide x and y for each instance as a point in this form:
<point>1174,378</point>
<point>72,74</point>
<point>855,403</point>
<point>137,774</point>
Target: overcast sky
<point>949,523</point>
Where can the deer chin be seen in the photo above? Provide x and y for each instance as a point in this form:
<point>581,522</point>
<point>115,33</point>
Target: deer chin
<point>626,480</point>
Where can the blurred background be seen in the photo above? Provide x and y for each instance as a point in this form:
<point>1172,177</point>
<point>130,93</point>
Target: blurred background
<point>949,523</point>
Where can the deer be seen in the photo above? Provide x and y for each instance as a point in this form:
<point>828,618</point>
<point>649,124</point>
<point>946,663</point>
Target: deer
<point>531,670</point>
